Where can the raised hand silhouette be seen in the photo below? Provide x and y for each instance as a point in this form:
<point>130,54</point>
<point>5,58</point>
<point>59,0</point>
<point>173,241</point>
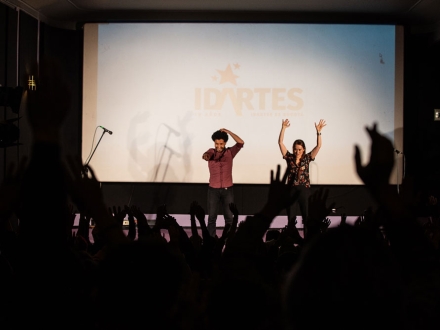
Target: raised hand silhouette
<point>144,230</point>
<point>131,235</point>
<point>378,170</point>
<point>318,212</point>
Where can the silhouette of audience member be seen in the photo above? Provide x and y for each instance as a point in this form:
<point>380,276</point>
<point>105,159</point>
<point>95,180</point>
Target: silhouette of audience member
<point>352,277</point>
<point>347,279</point>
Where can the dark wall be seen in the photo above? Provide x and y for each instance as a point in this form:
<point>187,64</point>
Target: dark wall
<point>422,96</point>
<point>8,72</point>
<point>66,46</point>
<point>23,41</point>
<point>27,58</point>
<point>35,39</point>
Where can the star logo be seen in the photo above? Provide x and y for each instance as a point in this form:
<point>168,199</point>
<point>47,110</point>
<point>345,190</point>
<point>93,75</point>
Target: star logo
<point>227,76</point>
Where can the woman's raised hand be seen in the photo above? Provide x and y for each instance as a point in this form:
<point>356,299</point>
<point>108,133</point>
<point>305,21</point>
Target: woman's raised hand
<point>320,125</point>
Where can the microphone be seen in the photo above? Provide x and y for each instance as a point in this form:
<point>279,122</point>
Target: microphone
<point>106,130</point>
<point>172,130</point>
<point>398,152</point>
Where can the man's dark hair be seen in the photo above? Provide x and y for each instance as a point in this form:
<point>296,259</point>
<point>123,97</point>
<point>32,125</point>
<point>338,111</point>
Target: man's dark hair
<point>218,135</point>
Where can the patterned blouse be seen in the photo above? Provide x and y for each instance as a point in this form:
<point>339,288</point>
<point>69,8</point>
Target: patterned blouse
<point>298,174</point>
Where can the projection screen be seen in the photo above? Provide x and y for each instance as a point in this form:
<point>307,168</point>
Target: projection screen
<point>162,89</point>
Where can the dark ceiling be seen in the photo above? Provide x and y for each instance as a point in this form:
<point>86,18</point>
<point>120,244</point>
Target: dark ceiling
<point>420,15</point>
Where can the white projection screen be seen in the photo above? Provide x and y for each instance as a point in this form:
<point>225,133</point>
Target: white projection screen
<point>164,88</point>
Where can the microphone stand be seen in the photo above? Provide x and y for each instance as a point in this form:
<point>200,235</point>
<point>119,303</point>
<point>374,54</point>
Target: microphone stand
<point>85,166</point>
<point>92,222</point>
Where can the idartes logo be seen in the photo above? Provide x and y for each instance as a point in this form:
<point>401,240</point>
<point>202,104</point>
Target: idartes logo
<point>245,98</point>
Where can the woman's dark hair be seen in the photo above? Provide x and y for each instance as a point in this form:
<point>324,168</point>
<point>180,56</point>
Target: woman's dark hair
<point>219,135</point>
<point>301,143</point>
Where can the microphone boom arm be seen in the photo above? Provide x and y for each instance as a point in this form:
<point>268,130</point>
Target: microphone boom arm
<point>87,163</point>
